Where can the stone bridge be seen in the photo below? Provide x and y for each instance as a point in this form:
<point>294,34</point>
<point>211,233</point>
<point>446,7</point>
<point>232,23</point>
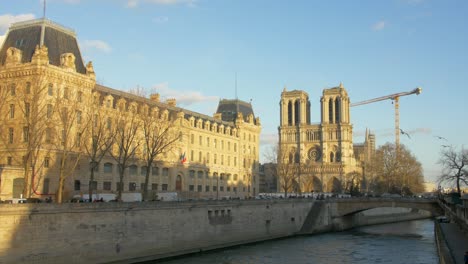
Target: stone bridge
<point>346,207</point>
<point>341,214</point>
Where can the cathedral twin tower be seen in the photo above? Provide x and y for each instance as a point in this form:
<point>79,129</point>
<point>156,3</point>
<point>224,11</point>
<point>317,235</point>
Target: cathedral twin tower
<point>324,152</point>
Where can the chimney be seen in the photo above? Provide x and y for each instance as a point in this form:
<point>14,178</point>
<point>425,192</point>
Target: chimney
<point>171,102</point>
<point>154,97</point>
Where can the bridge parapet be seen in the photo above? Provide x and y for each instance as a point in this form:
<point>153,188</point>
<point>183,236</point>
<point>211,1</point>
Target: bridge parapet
<point>344,207</point>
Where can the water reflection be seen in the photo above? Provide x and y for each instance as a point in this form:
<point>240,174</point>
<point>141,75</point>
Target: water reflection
<point>406,242</point>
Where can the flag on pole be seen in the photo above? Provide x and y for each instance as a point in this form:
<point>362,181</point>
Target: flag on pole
<point>183,159</point>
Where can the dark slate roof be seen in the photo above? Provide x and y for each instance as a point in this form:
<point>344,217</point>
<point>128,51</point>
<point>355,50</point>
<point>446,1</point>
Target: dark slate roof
<point>117,94</point>
<point>58,39</point>
<point>230,108</point>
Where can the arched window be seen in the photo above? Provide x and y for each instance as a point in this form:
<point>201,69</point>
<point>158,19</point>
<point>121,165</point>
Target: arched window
<point>290,117</point>
<point>332,157</point>
<point>297,112</point>
<point>192,174</point>
<point>330,110</point>
<point>200,174</point>
<point>337,110</point>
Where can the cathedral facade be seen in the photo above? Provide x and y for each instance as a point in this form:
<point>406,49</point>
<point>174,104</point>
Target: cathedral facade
<point>326,158</point>
<point>47,94</point>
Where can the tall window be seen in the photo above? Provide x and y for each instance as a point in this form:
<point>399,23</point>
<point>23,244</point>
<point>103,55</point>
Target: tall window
<point>45,186</point>
<point>109,123</point>
<point>12,111</point>
<point>27,88</point>
<point>78,139</point>
<point>13,89</point>
<point>165,172</point>
<point>143,170</point>
<point>77,185</point>
<point>25,134</point>
<point>48,135</point>
<point>337,110</point>
<point>330,110</point>
<point>79,97</point>
<point>50,89</point>
<point>10,135</point>
<point>49,111</point>
<point>27,109</point>
<point>107,186</point>
<point>108,167</point>
<point>46,162</point>
<point>133,169</point>
<point>65,92</point>
<point>78,117</point>
<point>155,171</point>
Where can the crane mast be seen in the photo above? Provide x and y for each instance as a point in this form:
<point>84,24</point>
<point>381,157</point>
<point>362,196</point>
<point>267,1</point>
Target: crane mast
<point>396,99</point>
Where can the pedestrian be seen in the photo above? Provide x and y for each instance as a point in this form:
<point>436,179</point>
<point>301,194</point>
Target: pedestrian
<point>465,258</point>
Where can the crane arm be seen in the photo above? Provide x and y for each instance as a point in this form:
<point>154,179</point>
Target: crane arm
<point>391,97</point>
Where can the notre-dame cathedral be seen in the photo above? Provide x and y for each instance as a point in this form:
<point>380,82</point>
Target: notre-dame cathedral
<point>328,159</point>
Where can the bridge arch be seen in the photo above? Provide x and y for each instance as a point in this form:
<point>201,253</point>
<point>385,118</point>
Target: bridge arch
<point>349,207</point>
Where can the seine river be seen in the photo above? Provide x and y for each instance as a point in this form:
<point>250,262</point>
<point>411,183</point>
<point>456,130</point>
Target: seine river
<point>409,242</point>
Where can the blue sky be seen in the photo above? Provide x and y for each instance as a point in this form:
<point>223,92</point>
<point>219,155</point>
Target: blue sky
<point>192,49</point>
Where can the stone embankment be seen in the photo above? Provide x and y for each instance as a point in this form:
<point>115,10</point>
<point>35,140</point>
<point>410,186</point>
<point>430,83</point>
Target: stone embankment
<point>134,232</point>
<point>452,232</point>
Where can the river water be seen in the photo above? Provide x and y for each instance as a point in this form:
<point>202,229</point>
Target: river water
<point>409,242</point>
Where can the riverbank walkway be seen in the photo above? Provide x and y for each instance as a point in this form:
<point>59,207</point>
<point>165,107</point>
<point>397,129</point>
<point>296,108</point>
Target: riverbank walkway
<point>457,240</point>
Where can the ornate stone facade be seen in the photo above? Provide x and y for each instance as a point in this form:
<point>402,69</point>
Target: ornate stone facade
<point>324,151</point>
<point>41,66</point>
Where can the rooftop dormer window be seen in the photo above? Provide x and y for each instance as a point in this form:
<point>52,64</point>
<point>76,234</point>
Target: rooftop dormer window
<point>19,43</point>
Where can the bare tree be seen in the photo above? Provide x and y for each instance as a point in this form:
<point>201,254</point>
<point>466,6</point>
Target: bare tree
<point>286,169</point>
<point>27,103</point>
<point>126,143</point>
<point>159,136</point>
<point>70,127</point>
<point>454,165</point>
<point>99,137</point>
<point>396,171</point>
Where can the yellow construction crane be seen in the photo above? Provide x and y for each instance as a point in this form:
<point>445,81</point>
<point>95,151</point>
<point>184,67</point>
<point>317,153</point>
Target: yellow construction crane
<point>395,98</point>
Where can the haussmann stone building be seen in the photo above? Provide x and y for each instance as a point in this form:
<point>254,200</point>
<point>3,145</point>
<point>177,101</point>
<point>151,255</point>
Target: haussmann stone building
<point>47,95</point>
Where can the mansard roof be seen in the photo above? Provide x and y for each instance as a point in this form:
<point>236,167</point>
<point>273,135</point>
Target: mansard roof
<point>117,94</point>
<point>26,35</point>
<point>229,109</point>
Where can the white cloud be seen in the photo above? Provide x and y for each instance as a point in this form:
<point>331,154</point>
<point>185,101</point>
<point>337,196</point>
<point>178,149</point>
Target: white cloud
<point>420,130</point>
<point>96,45</point>
<point>134,3</point>
<point>7,19</point>
<point>379,26</point>
<point>183,97</point>
<point>269,139</point>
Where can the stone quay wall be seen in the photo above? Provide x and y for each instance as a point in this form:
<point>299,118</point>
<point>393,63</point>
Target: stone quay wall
<point>134,232</point>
